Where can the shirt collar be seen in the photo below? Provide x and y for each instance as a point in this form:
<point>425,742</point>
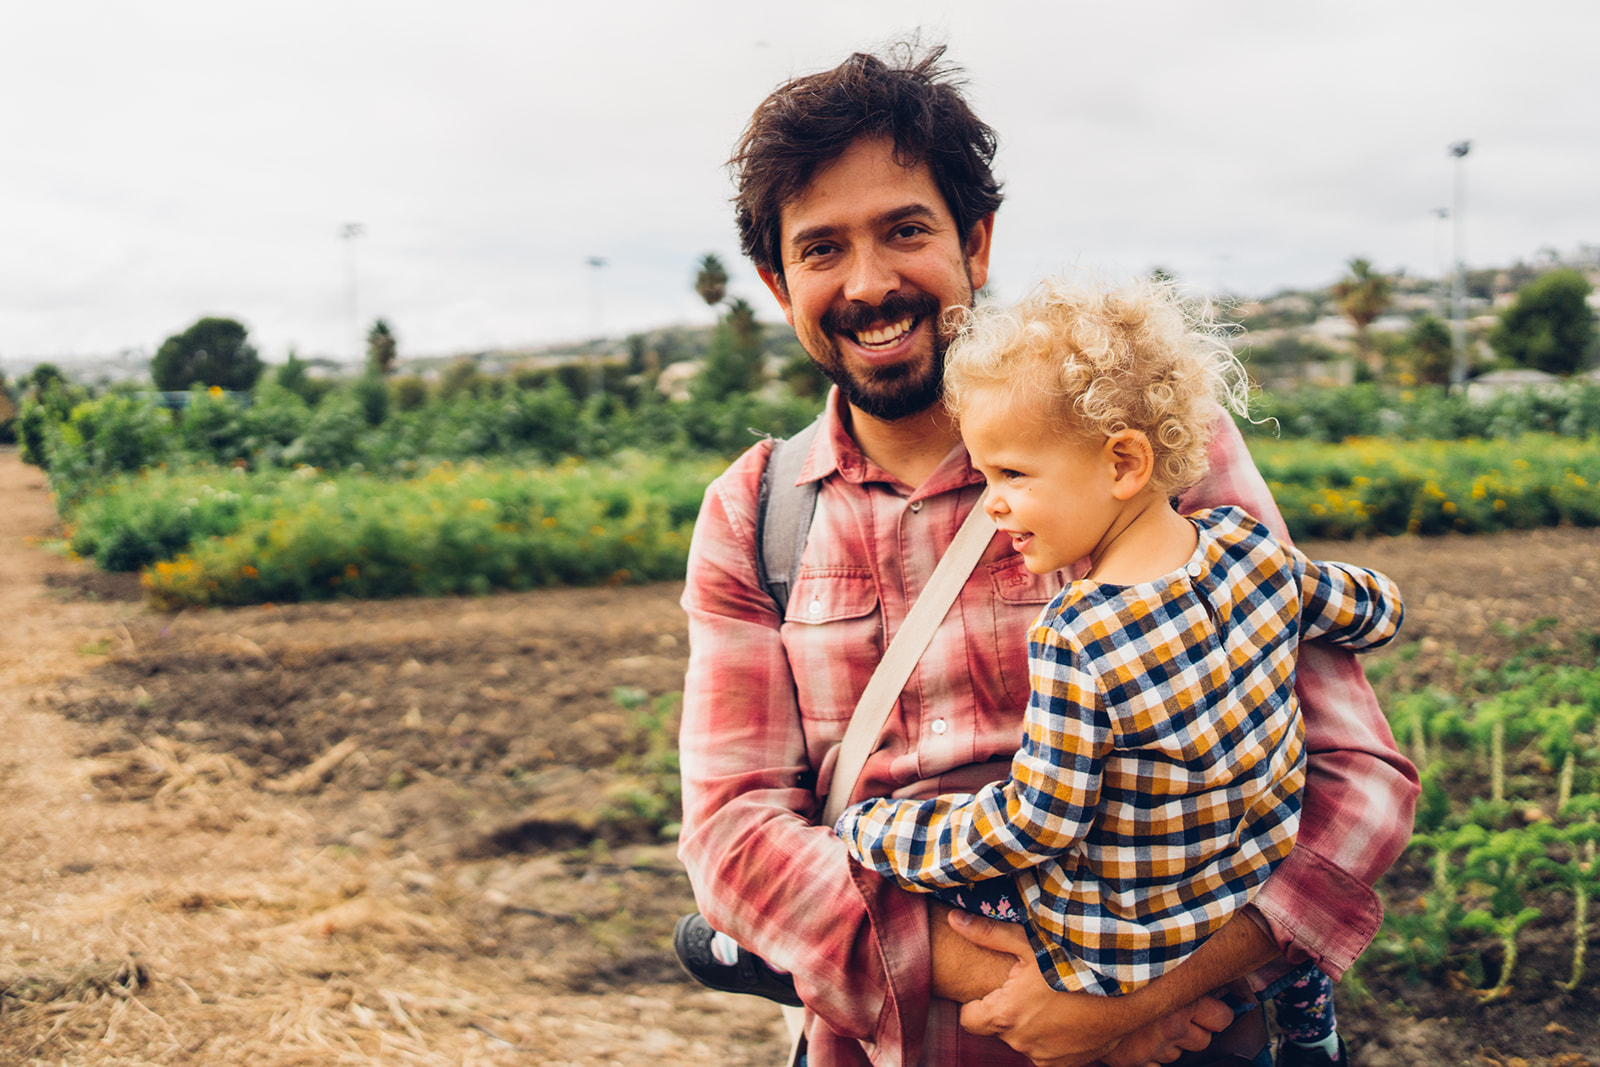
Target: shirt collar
<point>835,452</point>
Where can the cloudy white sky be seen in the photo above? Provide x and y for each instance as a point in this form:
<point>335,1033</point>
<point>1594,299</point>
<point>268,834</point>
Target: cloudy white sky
<point>165,159</point>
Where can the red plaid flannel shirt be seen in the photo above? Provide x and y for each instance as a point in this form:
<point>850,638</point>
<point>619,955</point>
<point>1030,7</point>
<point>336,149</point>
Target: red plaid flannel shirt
<point>766,702</point>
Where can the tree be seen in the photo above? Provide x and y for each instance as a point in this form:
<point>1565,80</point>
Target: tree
<point>1550,326</point>
<point>381,349</point>
<point>734,358</point>
<point>211,352</point>
<point>712,280</point>
<point>1363,295</point>
<point>42,377</point>
<point>1432,354</point>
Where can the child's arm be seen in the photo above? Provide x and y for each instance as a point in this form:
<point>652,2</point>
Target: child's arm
<point>1350,606</point>
<point>1045,808</point>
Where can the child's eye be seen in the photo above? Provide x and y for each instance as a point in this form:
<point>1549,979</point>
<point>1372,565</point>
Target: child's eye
<point>1010,475</point>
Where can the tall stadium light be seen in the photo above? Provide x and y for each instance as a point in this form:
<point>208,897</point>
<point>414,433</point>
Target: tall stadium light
<point>1441,291</point>
<point>597,378</point>
<point>348,233</point>
<point>1458,322</point>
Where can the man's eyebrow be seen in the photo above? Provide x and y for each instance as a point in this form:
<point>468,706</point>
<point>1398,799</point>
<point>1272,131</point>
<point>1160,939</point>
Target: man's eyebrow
<point>887,218</point>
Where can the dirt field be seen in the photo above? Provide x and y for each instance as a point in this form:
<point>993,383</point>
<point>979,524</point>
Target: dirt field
<point>401,832</point>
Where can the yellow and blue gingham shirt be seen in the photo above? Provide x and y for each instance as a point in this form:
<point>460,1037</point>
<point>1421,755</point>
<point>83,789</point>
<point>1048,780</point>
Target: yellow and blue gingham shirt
<point>1159,778</point>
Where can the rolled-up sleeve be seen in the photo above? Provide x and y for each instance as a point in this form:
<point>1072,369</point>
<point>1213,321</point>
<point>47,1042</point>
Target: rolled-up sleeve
<point>761,872</point>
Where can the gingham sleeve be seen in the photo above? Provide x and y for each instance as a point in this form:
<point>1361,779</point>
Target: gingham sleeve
<point>1046,807</point>
<point>1351,607</point>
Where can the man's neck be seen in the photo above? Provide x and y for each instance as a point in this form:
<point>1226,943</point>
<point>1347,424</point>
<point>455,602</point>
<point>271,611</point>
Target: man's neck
<point>911,448</point>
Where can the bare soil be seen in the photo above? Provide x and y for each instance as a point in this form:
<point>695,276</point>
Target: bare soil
<point>412,832</point>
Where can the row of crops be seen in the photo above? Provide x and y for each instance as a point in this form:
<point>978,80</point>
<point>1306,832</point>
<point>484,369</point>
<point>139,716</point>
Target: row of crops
<point>1509,819</point>
<point>209,535</point>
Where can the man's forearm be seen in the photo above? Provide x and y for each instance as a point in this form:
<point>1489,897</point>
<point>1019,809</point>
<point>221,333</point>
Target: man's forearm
<point>1238,948</point>
<point>962,971</point>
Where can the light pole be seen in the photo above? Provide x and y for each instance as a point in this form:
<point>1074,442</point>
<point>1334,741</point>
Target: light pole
<point>349,233</point>
<point>1441,291</point>
<point>1458,322</point>
<point>597,380</point>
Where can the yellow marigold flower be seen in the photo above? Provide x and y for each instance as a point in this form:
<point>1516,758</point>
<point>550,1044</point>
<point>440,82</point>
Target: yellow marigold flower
<point>1449,507</point>
<point>215,390</point>
<point>548,522</point>
<point>1499,505</point>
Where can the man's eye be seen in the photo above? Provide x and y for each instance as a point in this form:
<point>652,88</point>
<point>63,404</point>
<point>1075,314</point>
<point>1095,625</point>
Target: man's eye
<point>909,229</point>
<point>812,251</point>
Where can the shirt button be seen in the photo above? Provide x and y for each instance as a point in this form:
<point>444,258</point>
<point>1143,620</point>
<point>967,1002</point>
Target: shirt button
<point>938,726</point>
<point>916,506</point>
<point>1195,569</point>
<point>816,608</point>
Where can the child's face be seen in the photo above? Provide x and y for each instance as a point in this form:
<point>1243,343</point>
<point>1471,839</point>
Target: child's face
<point>1051,492</point>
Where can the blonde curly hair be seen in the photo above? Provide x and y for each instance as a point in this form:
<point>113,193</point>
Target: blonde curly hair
<point>1094,360</point>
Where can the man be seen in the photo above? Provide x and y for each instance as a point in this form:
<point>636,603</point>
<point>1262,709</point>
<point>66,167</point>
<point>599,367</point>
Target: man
<point>867,203</point>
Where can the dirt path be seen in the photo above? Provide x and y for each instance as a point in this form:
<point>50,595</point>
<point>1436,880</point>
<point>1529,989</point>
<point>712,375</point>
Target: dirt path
<point>161,908</point>
<point>412,832</point>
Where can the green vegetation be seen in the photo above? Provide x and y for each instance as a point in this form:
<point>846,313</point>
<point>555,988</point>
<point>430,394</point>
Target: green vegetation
<point>1429,413</point>
<point>220,537</point>
<point>1550,327</point>
<point>1507,826</point>
<point>211,352</point>
<point>1373,486</point>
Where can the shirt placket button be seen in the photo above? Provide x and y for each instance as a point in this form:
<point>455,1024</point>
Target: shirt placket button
<point>938,726</point>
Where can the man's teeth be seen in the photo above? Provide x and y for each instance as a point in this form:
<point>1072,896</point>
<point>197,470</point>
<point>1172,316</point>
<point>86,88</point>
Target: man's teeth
<point>885,334</point>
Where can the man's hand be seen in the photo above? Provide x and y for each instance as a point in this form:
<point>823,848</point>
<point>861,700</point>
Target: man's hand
<point>1055,1029</point>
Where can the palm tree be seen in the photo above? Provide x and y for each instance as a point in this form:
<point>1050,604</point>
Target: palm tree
<point>381,348</point>
<point>712,281</point>
<point>1363,295</point>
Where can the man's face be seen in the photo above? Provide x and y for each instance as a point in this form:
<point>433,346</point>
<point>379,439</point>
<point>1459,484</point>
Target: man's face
<point>871,257</point>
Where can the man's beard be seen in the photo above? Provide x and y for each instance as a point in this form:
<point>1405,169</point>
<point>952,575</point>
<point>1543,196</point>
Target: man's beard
<point>893,392</point>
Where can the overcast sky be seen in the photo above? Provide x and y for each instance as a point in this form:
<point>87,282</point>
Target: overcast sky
<point>166,159</point>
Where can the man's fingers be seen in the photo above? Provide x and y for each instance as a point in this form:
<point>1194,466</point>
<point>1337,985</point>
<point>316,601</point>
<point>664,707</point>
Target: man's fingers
<point>979,1017</point>
<point>1212,1014</point>
<point>987,933</point>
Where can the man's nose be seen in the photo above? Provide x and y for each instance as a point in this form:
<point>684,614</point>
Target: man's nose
<point>872,277</point>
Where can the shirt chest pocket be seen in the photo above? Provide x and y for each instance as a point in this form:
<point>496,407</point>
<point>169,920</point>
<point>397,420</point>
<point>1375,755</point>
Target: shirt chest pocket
<point>1019,596</point>
<point>833,636</point>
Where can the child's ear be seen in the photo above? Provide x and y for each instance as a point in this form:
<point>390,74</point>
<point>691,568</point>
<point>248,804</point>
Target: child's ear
<point>1132,462</point>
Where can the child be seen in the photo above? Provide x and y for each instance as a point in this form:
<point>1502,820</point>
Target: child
<point>1159,779</point>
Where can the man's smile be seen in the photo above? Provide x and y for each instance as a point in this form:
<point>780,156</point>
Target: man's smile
<point>886,336</point>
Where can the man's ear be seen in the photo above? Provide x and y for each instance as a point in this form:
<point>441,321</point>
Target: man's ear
<point>976,248</point>
<point>774,282</point>
<point>1131,461</point>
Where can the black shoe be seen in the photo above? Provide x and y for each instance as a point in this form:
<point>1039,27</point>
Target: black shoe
<point>692,942</point>
<point>1293,1055</point>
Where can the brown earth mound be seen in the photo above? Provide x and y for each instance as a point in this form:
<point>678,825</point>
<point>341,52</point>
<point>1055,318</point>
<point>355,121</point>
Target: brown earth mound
<point>429,831</point>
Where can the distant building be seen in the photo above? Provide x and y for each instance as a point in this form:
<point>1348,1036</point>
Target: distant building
<point>1486,387</point>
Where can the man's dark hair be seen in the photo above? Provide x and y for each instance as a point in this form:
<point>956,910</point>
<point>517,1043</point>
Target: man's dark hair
<point>810,122</point>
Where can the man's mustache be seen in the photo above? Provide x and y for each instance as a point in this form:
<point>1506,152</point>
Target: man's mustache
<point>858,317</point>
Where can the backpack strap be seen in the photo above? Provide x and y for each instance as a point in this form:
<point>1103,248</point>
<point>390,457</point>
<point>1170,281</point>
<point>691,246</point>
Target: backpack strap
<point>783,515</point>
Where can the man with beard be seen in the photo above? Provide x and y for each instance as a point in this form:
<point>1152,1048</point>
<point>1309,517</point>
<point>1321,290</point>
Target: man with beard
<point>866,202</point>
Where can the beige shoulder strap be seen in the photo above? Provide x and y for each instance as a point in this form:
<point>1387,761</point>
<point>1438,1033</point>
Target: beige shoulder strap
<point>889,679</point>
